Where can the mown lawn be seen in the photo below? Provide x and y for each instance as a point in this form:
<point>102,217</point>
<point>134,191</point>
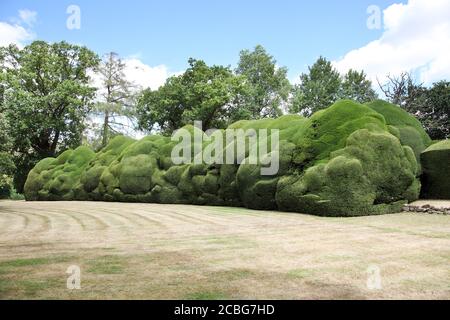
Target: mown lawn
<point>152,251</point>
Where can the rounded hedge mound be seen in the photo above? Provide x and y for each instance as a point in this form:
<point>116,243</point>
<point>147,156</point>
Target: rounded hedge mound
<point>57,178</point>
<point>404,126</point>
<point>436,171</point>
<point>350,159</point>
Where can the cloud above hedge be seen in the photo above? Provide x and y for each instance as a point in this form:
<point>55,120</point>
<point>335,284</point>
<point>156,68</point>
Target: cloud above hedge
<point>416,38</point>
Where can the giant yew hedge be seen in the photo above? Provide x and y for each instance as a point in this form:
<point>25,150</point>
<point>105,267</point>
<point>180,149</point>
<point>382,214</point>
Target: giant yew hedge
<point>347,160</point>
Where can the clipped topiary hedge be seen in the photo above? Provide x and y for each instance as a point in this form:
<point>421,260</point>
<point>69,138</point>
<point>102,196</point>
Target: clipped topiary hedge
<point>58,179</point>
<point>402,125</point>
<point>436,171</point>
<point>347,160</point>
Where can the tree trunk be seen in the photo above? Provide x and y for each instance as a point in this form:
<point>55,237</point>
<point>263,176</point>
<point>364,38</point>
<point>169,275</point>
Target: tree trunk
<point>105,129</point>
<point>55,142</point>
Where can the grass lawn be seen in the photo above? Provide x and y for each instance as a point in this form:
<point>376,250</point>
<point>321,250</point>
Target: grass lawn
<point>153,251</point>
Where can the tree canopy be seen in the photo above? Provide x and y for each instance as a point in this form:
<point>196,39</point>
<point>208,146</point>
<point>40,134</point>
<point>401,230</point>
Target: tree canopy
<point>47,95</point>
<point>357,87</point>
<point>323,85</point>
<point>436,114</point>
<point>6,164</point>
<point>46,99</point>
<point>431,106</point>
<point>317,89</point>
<point>209,94</point>
<point>268,84</point>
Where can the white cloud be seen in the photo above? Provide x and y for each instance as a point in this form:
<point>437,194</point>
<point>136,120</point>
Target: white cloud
<point>28,17</point>
<point>13,34</point>
<point>19,30</point>
<point>416,38</point>
<point>144,75</point>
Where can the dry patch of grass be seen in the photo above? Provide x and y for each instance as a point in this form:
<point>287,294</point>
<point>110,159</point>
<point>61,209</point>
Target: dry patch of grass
<point>151,251</point>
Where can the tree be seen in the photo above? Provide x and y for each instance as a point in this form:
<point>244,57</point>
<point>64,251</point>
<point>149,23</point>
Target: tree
<point>6,165</point>
<point>116,98</point>
<point>404,91</point>
<point>357,87</point>
<point>323,85</point>
<point>435,114</point>
<point>431,106</point>
<point>204,93</point>
<point>269,87</point>
<point>46,99</point>
<point>318,89</point>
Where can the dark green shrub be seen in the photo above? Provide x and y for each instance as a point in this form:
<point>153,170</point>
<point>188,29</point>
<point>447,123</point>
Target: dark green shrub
<point>372,169</point>
<point>57,179</point>
<point>410,131</point>
<point>436,171</point>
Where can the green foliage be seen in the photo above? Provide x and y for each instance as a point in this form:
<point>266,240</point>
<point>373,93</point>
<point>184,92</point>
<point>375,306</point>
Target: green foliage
<point>98,167</point>
<point>435,113</point>
<point>346,160</point>
<point>7,166</point>
<point>46,99</point>
<point>409,130</point>
<point>215,95</point>
<point>355,86</point>
<point>322,86</point>
<point>204,93</point>
<point>318,89</point>
<point>430,105</point>
<point>329,129</point>
<point>5,186</point>
<point>14,195</point>
<point>58,178</point>
<point>436,171</point>
<point>256,191</point>
<point>354,165</point>
<point>6,171</point>
<point>268,85</point>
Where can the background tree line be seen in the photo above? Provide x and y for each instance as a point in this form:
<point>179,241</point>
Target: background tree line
<point>47,97</point>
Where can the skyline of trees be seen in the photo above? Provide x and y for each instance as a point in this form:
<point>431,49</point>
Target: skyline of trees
<point>46,97</point>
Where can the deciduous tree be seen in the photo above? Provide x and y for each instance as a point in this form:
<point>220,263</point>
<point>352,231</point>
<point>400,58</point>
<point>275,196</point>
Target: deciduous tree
<point>323,85</point>
<point>357,87</point>
<point>430,105</point>
<point>47,97</point>
<point>209,94</point>
<point>318,89</point>
<point>269,87</point>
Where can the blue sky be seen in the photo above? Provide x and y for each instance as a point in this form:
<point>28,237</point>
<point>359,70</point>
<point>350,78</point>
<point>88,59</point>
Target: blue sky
<point>167,33</point>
